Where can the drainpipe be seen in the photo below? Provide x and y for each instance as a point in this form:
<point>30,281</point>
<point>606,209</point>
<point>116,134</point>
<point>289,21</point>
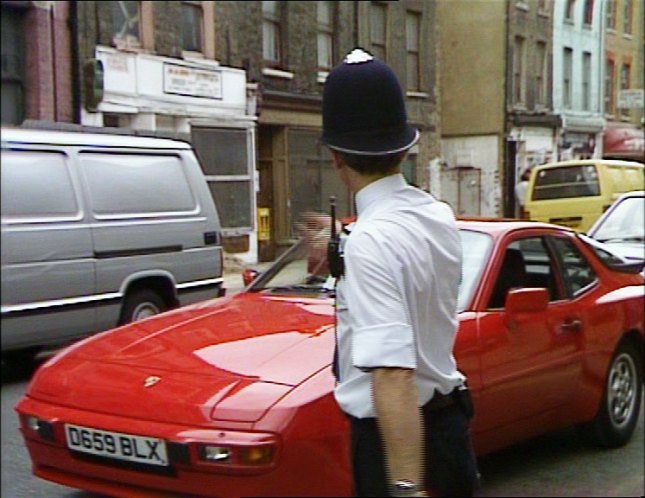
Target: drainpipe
<point>510,146</point>
<point>75,54</point>
<point>52,53</point>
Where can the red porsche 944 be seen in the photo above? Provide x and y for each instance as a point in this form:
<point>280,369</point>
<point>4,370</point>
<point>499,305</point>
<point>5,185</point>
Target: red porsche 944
<point>234,397</point>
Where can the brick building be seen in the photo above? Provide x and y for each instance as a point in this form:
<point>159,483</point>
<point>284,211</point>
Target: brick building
<point>37,75</point>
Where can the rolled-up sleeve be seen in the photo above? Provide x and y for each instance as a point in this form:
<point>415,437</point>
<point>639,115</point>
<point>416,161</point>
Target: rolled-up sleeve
<point>382,333</point>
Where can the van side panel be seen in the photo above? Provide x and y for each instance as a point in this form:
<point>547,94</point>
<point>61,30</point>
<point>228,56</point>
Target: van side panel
<point>155,234</point>
<point>47,256</point>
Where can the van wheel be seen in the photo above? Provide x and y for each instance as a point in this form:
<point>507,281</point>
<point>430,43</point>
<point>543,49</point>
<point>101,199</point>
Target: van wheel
<point>141,304</point>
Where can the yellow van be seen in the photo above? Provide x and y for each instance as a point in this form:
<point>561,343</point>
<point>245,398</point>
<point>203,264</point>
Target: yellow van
<point>575,193</point>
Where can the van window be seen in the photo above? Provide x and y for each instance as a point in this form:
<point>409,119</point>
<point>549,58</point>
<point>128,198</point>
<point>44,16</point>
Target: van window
<point>567,181</point>
<point>136,184</point>
<point>37,185</point>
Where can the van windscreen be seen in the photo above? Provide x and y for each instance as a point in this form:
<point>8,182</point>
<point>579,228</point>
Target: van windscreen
<point>566,181</point>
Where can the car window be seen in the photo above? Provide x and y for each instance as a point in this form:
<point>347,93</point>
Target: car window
<point>625,222</point>
<point>577,272</point>
<point>527,263</point>
<point>567,181</point>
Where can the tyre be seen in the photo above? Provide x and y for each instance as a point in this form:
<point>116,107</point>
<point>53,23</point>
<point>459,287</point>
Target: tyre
<point>140,304</point>
<point>21,360</point>
<point>617,415</point>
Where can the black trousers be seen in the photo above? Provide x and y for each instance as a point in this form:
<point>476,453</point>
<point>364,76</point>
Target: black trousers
<point>450,463</point>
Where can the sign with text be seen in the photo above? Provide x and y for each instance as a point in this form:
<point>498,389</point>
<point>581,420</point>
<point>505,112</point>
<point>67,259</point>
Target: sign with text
<point>631,99</point>
<point>183,80</point>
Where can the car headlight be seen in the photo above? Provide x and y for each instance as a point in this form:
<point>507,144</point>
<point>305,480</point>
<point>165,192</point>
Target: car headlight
<point>38,426</point>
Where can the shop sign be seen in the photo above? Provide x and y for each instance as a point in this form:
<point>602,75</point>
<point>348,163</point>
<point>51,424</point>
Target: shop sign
<point>631,99</point>
<point>193,82</point>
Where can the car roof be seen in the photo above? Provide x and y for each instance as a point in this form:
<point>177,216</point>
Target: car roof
<point>51,137</point>
<point>499,226</point>
<point>578,162</point>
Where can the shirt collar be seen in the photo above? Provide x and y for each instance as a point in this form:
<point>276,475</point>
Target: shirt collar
<point>379,189</point>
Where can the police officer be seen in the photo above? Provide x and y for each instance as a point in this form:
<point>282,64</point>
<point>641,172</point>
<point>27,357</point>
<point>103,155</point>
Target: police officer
<point>398,382</point>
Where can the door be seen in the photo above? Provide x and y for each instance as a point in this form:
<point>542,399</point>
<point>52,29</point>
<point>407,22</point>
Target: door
<point>530,361</point>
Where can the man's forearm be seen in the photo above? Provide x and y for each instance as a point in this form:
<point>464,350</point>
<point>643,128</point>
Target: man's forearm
<point>395,398</point>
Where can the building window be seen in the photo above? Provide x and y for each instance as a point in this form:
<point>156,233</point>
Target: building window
<point>541,74</point>
<point>609,86</point>
<point>325,35</point>
<point>412,47</point>
<point>224,154</point>
<point>13,66</point>
<point>544,7</point>
<point>518,70</point>
<point>125,24</point>
<point>625,84</point>
<point>588,19</point>
<point>611,14</point>
<point>378,30</point>
<point>570,9</point>
<point>586,81</point>
<point>193,26</point>
<point>627,16</point>
<point>271,33</point>
<point>567,75</point>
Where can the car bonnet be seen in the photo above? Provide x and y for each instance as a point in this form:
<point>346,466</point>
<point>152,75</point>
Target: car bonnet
<point>228,359</point>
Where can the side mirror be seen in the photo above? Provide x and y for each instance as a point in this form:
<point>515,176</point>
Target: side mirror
<point>527,300</point>
<point>249,275</point>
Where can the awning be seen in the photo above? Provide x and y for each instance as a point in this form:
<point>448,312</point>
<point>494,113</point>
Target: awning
<point>624,142</point>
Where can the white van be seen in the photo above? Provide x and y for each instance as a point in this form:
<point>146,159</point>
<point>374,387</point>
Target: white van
<point>100,230</point>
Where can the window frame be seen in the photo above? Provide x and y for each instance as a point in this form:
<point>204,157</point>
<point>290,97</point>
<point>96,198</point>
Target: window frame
<point>519,70</point>
<point>567,78</point>
<point>625,84</point>
<point>570,11</point>
<point>326,31</point>
<point>413,52</point>
<point>610,15</point>
<point>587,20</point>
<point>586,80</point>
<point>380,45</point>
<point>628,17</point>
<point>541,76</point>
<point>198,51</point>
<point>274,20</point>
<point>610,86</point>
<point>129,42</point>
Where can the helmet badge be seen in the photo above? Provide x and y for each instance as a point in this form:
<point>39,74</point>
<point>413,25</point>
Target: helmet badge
<point>357,56</point>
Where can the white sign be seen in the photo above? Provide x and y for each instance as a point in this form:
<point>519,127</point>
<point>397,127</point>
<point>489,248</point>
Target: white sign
<point>182,80</point>
<point>631,99</point>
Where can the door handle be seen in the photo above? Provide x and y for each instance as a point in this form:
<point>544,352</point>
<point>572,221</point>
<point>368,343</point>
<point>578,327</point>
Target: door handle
<point>571,326</point>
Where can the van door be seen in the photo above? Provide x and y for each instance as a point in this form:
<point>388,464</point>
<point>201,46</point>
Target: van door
<point>150,229</point>
<point>47,265</point>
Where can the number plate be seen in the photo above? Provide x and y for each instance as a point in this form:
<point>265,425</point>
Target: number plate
<point>148,450</point>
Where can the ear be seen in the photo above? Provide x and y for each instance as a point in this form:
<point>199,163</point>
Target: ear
<point>336,158</point>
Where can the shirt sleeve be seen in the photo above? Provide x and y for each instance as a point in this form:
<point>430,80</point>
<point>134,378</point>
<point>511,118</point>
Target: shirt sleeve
<point>382,335</point>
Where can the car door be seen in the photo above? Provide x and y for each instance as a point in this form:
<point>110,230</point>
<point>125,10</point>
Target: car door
<point>530,360</point>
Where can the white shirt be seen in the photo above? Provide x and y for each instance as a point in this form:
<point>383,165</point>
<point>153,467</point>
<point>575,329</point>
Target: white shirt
<point>520,191</point>
<point>397,301</point>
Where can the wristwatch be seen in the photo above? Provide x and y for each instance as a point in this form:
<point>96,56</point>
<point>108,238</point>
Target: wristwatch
<point>403,488</point>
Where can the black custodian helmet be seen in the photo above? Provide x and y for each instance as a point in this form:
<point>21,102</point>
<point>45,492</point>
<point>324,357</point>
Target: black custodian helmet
<point>363,109</point>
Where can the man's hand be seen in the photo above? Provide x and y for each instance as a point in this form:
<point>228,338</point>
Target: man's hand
<point>395,396</point>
